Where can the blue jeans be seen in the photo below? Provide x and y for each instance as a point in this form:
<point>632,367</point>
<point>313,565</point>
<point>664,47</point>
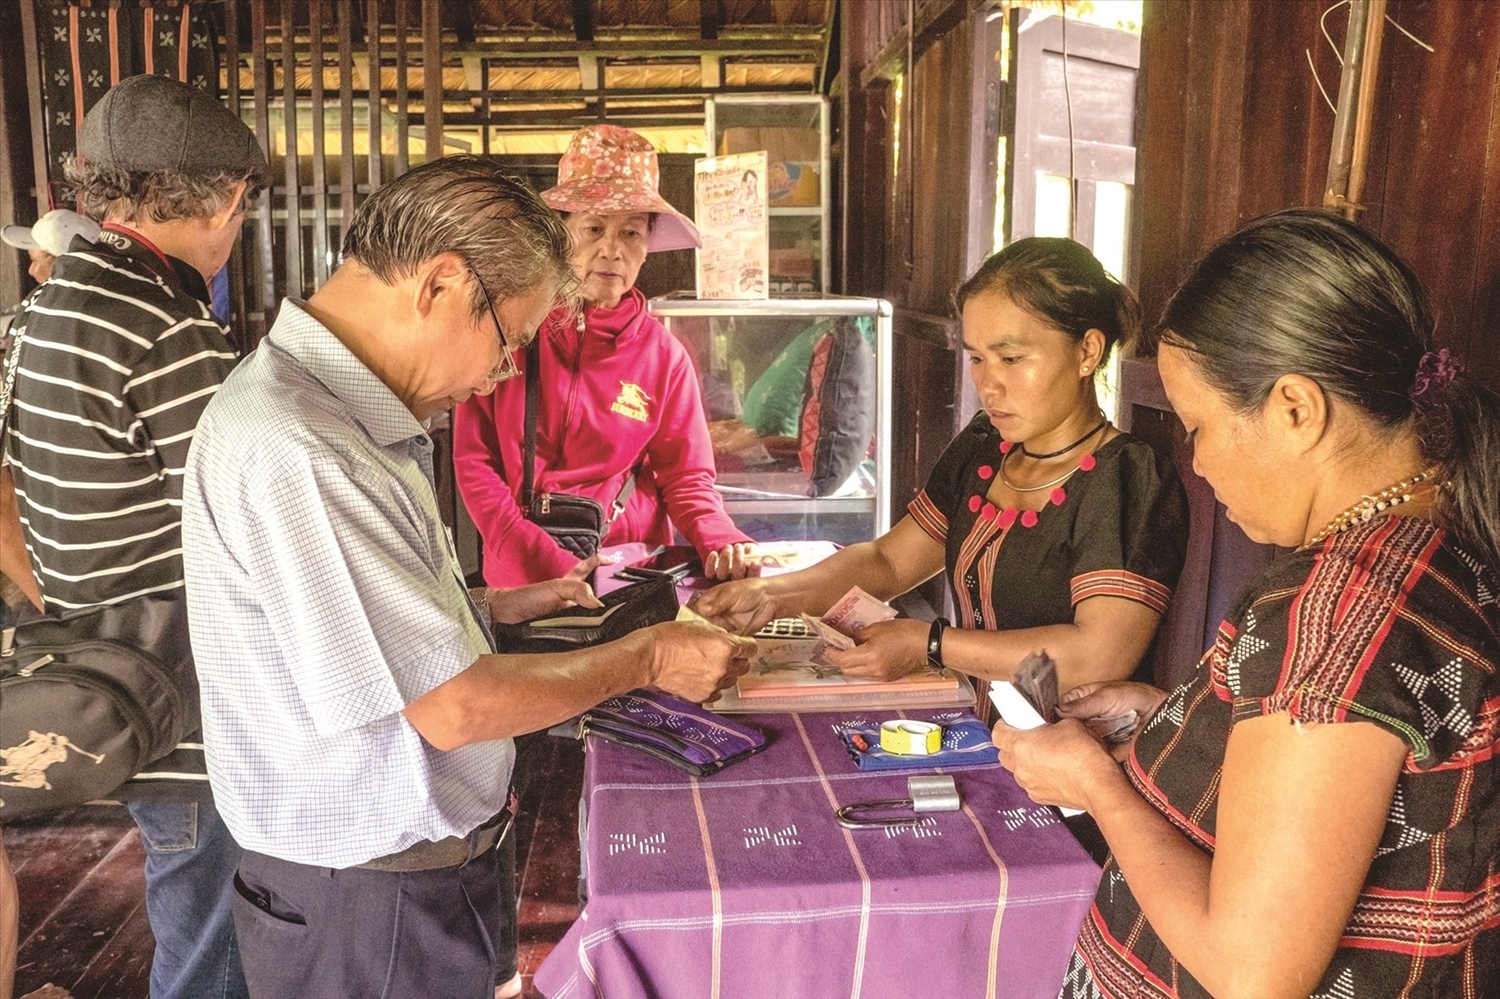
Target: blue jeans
<point>190,864</point>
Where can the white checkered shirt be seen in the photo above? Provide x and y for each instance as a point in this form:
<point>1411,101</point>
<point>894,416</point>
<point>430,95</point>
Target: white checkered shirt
<point>324,597</point>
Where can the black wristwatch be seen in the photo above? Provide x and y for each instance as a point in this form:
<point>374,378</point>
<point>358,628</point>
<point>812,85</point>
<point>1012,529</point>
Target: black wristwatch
<point>935,643</point>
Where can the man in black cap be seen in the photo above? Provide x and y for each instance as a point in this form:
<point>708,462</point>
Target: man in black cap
<point>119,354</point>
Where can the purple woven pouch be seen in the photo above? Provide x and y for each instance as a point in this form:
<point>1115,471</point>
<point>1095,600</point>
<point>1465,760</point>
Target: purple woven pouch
<point>686,735</point>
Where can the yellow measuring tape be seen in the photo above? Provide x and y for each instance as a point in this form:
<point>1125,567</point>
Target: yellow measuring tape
<point>910,738</point>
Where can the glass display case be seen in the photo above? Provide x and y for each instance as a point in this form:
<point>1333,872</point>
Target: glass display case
<point>798,397</point>
<point>793,131</point>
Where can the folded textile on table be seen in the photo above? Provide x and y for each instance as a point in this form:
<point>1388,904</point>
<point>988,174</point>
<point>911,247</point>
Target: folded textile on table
<point>966,743</point>
<point>678,732</point>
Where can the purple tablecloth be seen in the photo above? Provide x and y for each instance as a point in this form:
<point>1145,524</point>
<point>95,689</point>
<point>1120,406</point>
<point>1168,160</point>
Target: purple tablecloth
<point>743,884</point>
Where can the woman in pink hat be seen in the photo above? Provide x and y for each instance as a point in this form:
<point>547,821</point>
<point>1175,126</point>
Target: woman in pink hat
<point>618,398</point>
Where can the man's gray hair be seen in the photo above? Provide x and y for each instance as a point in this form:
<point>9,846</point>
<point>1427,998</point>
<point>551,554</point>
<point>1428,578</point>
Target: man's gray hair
<point>468,206</point>
<point>110,194</point>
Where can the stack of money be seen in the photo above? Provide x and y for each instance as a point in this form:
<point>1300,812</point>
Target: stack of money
<point>1036,678</point>
<point>837,629</point>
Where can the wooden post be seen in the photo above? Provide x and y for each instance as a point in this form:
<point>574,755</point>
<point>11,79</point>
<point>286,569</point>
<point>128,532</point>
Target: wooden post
<point>1340,156</point>
<point>34,93</point>
<point>260,67</point>
<point>373,93</point>
<point>403,96</point>
<point>292,233</point>
<point>346,116</point>
<point>1374,33</point>
<point>432,78</point>
<point>319,145</point>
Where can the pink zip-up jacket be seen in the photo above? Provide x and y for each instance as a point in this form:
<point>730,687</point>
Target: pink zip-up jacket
<point>620,389</point>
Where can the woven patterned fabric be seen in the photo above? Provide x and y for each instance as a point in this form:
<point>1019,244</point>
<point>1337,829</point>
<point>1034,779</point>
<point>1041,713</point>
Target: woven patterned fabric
<point>1391,623</point>
<point>87,50</point>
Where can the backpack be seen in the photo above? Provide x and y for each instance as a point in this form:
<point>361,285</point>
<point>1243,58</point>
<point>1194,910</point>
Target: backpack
<point>89,698</point>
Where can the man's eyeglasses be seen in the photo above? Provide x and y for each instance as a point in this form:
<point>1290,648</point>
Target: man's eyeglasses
<point>508,368</point>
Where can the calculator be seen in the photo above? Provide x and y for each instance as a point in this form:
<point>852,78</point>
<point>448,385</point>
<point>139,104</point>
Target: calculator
<point>784,627</point>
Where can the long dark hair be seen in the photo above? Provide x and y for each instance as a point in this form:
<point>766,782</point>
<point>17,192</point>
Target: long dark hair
<point>1306,291</point>
<point>1061,283</point>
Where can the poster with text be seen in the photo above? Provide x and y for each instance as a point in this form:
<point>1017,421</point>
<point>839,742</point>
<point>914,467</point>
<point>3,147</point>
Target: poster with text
<point>730,205</point>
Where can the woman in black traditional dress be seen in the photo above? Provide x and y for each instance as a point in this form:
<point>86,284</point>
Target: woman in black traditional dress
<point>1317,811</point>
<point>1058,532</point>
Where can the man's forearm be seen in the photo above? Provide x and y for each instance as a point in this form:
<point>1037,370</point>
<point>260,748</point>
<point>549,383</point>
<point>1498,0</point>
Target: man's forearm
<point>500,697</point>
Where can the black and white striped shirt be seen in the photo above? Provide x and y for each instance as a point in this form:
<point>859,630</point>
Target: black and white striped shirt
<point>119,357</point>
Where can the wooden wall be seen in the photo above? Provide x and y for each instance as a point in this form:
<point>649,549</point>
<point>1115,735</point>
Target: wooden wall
<point>1232,126</point>
<point>912,231</point>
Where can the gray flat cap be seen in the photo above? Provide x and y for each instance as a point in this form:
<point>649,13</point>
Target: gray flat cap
<point>150,124</point>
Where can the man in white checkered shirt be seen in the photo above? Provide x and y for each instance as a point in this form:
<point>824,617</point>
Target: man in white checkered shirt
<point>358,724</point>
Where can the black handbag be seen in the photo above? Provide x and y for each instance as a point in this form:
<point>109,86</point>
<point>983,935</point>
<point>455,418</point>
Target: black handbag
<point>576,523</point>
<point>84,706</point>
<point>638,605</point>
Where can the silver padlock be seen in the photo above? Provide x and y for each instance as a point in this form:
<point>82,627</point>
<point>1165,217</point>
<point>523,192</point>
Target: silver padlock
<point>927,793</point>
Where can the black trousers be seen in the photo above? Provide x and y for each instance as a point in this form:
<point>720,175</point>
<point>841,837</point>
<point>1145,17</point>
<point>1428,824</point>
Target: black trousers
<point>307,932</point>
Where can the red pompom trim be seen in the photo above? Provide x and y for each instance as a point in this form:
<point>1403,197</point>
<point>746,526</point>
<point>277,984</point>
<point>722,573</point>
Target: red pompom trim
<point>1004,446</point>
<point>974,502</point>
<point>986,472</point>
<point>1087,463</point>
<point>1028,519</point>
<point>1008,516</point>
<point>1058,496</point>
<point>988,513</point>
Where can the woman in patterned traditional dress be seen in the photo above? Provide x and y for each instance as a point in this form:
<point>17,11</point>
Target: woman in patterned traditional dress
<point>1057,531</point>
<point>1317,811</point>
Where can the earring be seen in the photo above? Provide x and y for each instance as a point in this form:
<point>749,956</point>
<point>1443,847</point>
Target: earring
<point>1087,370</point>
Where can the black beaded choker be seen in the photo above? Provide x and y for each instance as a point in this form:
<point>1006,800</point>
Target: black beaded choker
<point>1064,450</point>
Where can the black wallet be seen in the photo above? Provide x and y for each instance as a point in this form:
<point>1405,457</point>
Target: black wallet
<point>638,605</point>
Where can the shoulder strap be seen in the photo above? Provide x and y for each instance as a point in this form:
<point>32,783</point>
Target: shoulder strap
<point>623,496</point>
<point>528,456</point>
<point>533,394</point>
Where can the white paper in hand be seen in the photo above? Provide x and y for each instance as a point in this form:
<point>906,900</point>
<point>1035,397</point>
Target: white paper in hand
<point>1017,712</point>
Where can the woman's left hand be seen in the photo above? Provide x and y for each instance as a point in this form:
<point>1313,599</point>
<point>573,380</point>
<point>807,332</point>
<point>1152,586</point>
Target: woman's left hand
<point>526,602</point>
<point>734,561</point>
<point>1056,764</point>
<point>887,650</point>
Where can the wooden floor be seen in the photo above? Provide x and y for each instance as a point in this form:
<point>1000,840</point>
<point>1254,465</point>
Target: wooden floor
<point>83,912</point>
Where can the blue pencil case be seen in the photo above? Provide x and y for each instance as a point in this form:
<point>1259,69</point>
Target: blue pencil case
<point>966,743</point>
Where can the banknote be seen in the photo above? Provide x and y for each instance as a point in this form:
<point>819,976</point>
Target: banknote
<point>1115,730</point>
<point>1036,678</point>
<point>827,638</point>
<point>856,611</point>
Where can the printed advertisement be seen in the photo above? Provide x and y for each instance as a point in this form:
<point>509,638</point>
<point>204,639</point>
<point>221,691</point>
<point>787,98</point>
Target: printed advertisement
<point>731,209</point>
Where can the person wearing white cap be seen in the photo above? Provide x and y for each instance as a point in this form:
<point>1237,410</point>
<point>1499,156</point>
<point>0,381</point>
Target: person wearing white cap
<point>49,239</point>
<point>618,416</point>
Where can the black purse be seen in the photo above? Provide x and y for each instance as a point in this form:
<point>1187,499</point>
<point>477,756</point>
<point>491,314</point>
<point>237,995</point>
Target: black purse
<point>89,699</point>
<point>638,605</point>
<point>576,523</point>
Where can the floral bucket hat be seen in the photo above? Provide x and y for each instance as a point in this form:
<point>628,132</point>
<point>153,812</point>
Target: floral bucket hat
<point>611,170</point>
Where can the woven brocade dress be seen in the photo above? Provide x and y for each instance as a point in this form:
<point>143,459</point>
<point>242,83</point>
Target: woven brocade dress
<point>1117,527</point>
<point>1391,623</point>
